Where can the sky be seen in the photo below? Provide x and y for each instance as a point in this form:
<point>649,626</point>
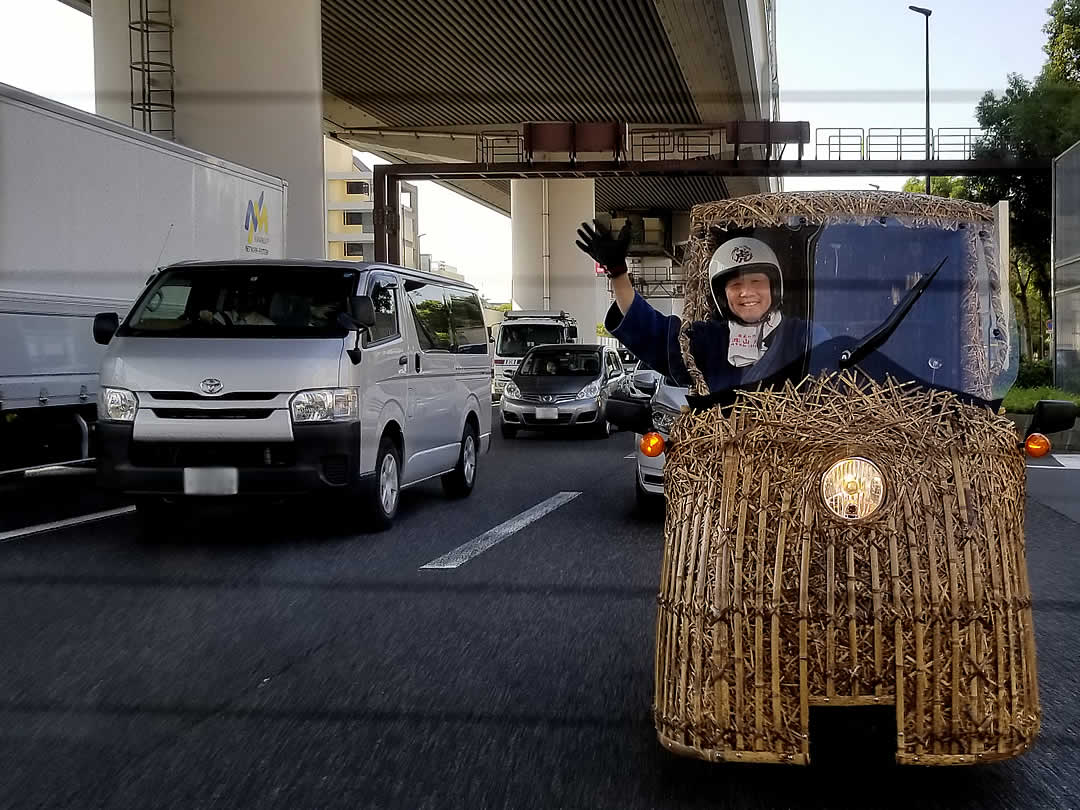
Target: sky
<point>842,63</point>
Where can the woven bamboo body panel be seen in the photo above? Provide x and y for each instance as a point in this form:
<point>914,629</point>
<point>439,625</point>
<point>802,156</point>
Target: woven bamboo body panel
<point>768,604</point>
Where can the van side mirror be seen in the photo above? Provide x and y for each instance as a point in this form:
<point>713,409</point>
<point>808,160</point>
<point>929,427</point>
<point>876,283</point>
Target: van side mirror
<point>105,326</point>
<point>629,414</point>
<point>362,310</point>
<point>1052,416</point>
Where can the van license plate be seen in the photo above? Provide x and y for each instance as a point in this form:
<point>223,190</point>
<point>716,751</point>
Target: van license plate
<point>547,413</point>
<point>210,481</point>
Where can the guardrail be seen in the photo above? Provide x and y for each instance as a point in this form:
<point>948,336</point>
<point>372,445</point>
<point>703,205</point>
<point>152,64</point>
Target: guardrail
<point>895,143</point>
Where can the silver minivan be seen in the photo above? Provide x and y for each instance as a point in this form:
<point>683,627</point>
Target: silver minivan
<point>260,377</point>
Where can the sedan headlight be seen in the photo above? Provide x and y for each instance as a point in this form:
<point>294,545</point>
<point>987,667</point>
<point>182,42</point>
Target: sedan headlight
<point>511,391</point>
<point>325,405</point>
<point>117,405</point>
<point>853,488</point>
<point>590,391</point>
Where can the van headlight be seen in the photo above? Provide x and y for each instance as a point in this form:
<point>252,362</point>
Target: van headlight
<point>853,488</point>
<point>590,391</point>
<point>325,405</point>
<point>117,405</point>
<point>511,391</point>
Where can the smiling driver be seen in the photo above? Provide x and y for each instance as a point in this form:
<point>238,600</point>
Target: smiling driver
<point>750,341</point>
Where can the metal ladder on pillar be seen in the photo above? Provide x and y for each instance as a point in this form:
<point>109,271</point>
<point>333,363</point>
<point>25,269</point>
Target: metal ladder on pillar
<point>150,43</point>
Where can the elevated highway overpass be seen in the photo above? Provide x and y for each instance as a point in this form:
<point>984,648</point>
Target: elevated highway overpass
<point>261,81</point>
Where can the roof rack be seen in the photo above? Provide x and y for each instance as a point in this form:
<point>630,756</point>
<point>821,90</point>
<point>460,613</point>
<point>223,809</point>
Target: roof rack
<point>561,315</point>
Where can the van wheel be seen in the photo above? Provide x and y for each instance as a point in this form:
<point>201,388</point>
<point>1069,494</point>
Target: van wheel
<point>460,482</point>
<point>508,431</point>
<point>386,492</point>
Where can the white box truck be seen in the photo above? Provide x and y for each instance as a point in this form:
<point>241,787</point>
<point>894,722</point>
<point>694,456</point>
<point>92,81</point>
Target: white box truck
<point>88,210</point>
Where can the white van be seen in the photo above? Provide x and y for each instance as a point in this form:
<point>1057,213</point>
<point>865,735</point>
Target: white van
<point>260,377</point>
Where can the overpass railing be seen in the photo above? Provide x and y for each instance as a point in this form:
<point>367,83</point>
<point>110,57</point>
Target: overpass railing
<point>895,143</point>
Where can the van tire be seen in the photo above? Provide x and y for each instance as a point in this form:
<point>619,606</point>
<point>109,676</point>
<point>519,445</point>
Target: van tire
<point>460,482</point>
<point>384,494</point>
<point>508,431</point>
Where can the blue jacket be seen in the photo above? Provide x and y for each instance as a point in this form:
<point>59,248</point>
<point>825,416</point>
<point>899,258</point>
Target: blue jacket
<point>654,338</point>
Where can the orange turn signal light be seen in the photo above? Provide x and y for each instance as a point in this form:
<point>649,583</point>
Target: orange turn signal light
<point>652,444</point>
<point>1037,445</point>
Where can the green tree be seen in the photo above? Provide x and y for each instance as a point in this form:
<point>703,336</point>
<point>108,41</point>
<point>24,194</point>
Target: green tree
<point>1063,42</point>
<point>946,186</point>
<point>504,307</point>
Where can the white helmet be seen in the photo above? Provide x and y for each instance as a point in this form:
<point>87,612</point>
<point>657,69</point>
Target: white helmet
<point>741,255</point>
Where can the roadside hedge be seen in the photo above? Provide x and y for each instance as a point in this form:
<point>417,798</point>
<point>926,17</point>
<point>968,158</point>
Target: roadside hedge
<point>1023,399</point>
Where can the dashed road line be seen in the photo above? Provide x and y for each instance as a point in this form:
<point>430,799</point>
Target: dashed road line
<point>478,545</point>
<point>41,528</point>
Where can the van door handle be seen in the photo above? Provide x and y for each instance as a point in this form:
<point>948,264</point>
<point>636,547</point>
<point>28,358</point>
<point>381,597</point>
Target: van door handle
<point>418,362</point>
<point>403,360</point>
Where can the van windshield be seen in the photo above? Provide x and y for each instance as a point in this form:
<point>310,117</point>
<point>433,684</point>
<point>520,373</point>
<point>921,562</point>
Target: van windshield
<point>238,302</point>
<point>516,339</point>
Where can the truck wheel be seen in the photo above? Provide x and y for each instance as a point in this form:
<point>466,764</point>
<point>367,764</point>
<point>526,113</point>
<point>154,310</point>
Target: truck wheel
<point>386,493</point>
<point>508,431</point>
<point>460,482</point>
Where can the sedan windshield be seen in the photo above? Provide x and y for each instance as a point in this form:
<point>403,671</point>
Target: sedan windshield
<point>236,301</point>
<point>561,363</point>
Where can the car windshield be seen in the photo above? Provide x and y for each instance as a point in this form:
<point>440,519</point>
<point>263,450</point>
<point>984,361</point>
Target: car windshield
<point>516,339</point>
<point>959,335</point>
<point>236,302</point>
<point>562,363</point>
<point>847,279</point>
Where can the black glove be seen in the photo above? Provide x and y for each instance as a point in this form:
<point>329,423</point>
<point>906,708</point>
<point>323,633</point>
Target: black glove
<point>608,250</point>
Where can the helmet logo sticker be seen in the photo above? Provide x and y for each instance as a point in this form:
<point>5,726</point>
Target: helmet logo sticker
<point>741,254</point>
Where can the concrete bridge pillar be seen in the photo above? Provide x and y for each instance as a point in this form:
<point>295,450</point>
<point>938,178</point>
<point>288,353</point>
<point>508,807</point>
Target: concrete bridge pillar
<point>248,88</point>
<point>572,282</point>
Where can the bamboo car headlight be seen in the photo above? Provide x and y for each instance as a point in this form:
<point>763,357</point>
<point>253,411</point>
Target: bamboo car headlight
<point>853,488</point>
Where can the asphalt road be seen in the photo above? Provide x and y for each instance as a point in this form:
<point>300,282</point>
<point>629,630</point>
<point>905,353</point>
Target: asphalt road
<point>271,659</point>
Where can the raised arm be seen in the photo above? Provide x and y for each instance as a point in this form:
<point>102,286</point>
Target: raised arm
<point>648,334</point>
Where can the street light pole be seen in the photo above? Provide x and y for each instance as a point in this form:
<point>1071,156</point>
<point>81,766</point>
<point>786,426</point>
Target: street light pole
<point>926,14</point>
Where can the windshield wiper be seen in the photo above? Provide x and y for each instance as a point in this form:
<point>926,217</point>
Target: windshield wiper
<point>882,333</point>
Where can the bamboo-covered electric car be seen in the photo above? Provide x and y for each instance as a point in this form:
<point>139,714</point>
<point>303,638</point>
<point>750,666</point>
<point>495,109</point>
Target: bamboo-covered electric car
<point>848,529</point>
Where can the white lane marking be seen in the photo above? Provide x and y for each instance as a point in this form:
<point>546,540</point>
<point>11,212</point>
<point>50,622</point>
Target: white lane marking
<point>7,537</point>
<point>478,545</point>
<point>1070,461</point>
<point>1049,467</point>
<point>45,472</point>
<point>630,455</point>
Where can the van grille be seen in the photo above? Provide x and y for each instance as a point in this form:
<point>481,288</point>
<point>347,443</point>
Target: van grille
<point>216,413</point>
<point>210,454</point>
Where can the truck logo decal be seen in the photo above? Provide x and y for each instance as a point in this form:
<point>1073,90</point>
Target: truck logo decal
<point>257,225</point>
<point>211,386</point>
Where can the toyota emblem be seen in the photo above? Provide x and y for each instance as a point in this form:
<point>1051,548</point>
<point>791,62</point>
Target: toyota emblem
<point>211,386</point>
